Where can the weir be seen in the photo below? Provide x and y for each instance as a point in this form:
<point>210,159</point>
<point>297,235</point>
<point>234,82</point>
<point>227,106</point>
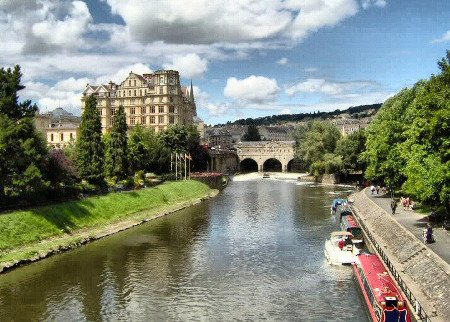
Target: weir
<point>422,275</point>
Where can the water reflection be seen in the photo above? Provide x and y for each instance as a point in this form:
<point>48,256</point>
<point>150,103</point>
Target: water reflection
<point>255,252</point>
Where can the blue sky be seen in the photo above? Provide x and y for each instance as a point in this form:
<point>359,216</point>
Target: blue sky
<point>246,58</point>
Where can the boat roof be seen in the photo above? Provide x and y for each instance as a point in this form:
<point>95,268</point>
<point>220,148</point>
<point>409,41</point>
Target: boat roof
<point>340,233</point>
<point>350,222</point>
<point>338,201</point>
<point>383,286</point>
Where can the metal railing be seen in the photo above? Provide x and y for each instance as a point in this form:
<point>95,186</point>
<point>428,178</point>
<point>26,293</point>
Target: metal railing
<point>412,299</point>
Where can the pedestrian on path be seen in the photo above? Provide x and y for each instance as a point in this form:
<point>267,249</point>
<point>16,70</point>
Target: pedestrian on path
<point>393,206</point>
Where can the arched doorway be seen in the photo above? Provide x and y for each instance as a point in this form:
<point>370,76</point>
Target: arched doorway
<point>248,165</point>
<point>272,165</point>
<point>294,166</point>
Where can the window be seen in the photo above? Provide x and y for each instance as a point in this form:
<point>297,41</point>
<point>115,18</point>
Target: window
<point>152,109</point>
<point>171,109</point>
<point>51,137</point>
<point>171,99</point>
<point>100,111</point>
<point>171,119</point>
<point>152,120</point>
<point>132,111</point>
<point>143,120</point>
<point>143,110</point>
<point>71,136</point>
<point>161,119</point>
<point>134,92</point>
<point>160,89</point>
<point>113,111</point>
<point>132,101</point>
<point>140,92</point>
<point>113,102</point>
<point>134,82</point>
<point>161,80</point>
<point>160,99</point>
<point>129,83</point>
<point>129,92</point>
<point>161,109</point>
<point>132,121</point>
<point>61,136</point>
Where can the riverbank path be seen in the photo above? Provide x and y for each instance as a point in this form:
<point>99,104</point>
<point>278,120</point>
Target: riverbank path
<point>415,222</point>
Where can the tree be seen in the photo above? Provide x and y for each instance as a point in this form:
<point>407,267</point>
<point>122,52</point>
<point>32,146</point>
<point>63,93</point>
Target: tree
<point>9,105</point>
<point>90,151</point>
<point>350,149</point>
<point>116,155</point>
<point>23,150</point>
<point>138,151</point>
<point>252,134</point>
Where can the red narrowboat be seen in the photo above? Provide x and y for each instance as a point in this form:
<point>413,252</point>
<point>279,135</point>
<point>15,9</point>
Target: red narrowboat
<point>383,297</point>
<point>349,223</point>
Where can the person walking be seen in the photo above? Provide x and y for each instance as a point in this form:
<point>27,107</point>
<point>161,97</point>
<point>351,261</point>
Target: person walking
<point>393,206</point>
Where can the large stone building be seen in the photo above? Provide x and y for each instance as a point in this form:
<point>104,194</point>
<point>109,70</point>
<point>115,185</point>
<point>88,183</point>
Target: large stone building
<point>154,100</point>
<point>59,127</point>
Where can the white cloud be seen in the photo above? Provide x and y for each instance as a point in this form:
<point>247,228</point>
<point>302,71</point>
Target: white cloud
<point>377,3</point>
<point>282,61</point>
<point>254,89</point>
<point>322,86</point>
<point>444,38</point>
<point>235,22</point>
<point>313,15</point>
<point>189,66</point>
<point>311,69</point>
<point>66,32</point>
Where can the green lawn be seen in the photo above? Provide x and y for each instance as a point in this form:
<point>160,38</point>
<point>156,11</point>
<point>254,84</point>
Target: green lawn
<point>22,228</point>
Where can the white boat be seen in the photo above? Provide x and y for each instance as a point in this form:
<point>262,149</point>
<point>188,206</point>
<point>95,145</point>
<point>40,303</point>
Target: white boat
<point>339,249</point>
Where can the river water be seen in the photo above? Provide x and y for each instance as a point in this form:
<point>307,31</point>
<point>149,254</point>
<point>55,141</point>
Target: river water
<point>255,252</point>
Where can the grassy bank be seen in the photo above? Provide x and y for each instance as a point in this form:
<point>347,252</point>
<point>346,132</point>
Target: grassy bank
<point>24,234</point>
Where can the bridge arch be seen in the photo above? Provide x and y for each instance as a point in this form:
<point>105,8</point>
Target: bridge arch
<point>248,165</point>
<point>272,165</point>
<point>261,151</point>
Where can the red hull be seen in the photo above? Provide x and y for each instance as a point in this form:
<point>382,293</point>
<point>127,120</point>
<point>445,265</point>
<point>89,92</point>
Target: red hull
<point>382,296</point>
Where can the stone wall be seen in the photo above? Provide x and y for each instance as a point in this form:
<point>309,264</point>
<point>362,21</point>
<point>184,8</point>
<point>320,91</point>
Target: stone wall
<point>426,275</point>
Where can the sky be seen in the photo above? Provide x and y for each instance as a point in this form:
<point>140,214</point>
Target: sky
<point>246,58</point>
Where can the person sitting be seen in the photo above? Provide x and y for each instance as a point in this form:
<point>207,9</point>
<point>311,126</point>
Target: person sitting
<point>341,244</point>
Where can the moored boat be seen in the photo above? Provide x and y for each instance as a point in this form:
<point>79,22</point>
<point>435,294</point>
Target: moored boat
<point>349,224</point>
<point>335,203</point>
<point>339,249</point>
<point>343,210</point>
<point>266,175</point>
<point>383,298</point>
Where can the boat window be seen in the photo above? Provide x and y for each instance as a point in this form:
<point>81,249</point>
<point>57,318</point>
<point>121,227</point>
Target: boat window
<point>391,302</point>
<point>395,315</point>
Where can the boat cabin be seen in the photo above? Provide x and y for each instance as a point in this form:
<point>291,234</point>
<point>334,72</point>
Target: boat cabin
<point>349,224</point>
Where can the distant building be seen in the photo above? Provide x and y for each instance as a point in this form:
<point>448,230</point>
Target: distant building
<point>154,100</point>
<point>349,125</point>
<point>59,127</point>
<point>276,133</point>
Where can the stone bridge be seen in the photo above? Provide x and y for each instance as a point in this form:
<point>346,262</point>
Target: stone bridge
<point>266,155</point>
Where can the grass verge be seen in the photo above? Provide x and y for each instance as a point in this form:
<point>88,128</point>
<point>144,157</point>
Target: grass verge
<point>33,233</point>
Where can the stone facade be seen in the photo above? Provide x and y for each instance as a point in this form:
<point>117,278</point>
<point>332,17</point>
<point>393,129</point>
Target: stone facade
<point>59,127</point>
<point>261,151</point>
<point>154,100</point>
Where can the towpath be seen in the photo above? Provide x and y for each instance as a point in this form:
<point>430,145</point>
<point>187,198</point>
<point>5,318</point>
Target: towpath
<point>415,222</point>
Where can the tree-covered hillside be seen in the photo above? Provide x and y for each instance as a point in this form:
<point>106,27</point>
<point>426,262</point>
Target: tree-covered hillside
<point>355,112</point>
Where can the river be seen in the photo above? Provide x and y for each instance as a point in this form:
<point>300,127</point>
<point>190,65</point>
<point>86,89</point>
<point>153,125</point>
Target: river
<point>255,252</point>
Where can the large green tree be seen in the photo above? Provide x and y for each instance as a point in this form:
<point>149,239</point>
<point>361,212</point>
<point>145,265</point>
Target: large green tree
<point>408,143</point>
<point>314,140</point>
<point>23,150</point>
<point>90,150</point>
<point>350,148</point>
<point>116,154</point>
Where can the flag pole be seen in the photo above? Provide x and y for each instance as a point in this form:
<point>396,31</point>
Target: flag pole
<point>176,166</point>
<point>185,166</point>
